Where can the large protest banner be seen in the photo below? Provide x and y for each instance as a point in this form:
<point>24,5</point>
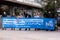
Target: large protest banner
<point>42,23</point>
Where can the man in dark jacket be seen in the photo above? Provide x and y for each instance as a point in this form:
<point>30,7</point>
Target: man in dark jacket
<point>49,15</point>
<point>27,15</point>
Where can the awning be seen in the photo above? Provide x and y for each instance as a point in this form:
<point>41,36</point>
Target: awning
<point>23,3</point>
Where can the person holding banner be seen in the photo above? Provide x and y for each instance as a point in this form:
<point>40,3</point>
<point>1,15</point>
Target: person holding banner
<point>27,15</point>
<point>37,15</point>
<point>58,21</point>
<point>13,15</point>
<point>20,15</point>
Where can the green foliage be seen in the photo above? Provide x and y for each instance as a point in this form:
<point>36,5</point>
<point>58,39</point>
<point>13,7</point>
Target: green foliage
<point>50,7</point>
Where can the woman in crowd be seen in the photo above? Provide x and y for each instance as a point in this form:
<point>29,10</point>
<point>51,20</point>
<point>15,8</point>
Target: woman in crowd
<point>37,15</point>
<point>20,15</point>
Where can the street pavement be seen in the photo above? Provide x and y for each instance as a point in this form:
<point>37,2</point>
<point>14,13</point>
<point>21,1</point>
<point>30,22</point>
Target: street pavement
<point>29,35</point>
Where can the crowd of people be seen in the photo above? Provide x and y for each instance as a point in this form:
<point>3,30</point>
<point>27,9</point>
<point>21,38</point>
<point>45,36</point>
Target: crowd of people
<point>30,14</point>
<point>27,14</point>
<point>24,14</point>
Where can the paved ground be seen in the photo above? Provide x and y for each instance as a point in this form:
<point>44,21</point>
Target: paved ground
<point>29,35</point>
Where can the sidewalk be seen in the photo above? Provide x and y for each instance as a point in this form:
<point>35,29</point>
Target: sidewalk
<point>29,35</point>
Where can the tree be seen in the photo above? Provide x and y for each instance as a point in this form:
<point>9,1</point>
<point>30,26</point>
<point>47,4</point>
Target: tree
<point>51,6</point>
<point>4,8</point>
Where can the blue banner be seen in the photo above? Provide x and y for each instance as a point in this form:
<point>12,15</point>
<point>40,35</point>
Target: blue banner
<point>42,23</point>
